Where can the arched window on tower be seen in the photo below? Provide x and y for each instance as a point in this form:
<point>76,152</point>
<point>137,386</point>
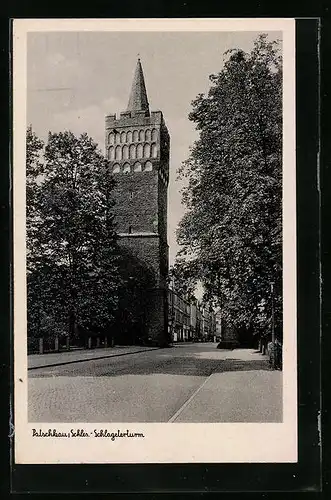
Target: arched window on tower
<point>123,136</point>
<point>132,151</point>
<point>148,166</point>
<point>130,229</point>
<point>118,153</point>
<point>141,135</point>
<point>129,136</point>
<point>125,153</point>
<point>111,138</point>
<point>111,153</point>
<point>148,135</point>
<point>154,151</point>
<point>117,138</point>
<point>126,168</point>
<point>137,167</point>
<point>139,151</point>
<point>154,134</point>
<point>116,168</point>
<point>135,136</point>
<point>147,151</point>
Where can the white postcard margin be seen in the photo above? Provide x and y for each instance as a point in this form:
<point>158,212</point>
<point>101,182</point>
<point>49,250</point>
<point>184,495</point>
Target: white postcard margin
<point>163,442</point>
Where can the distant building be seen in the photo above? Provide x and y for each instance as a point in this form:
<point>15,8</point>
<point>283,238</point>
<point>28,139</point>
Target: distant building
<point>218,326</point>
<point>193,318</point>
<point>208,323</point>
<point>179,317</point>
<point>189,320</point>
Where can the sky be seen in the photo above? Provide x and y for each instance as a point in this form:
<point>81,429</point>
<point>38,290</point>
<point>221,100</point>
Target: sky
<point>76,78</point>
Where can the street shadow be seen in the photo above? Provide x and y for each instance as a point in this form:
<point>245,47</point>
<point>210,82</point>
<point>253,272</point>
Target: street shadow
<point>160,362</point>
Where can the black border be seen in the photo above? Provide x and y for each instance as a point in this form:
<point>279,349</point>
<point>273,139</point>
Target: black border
<point>195,478</point>
<point>325,184</point>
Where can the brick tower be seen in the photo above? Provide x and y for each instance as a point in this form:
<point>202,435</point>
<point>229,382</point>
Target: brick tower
<point>137,145</point>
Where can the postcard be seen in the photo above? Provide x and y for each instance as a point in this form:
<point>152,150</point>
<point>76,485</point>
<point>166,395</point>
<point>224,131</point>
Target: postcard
<point>154,188</point>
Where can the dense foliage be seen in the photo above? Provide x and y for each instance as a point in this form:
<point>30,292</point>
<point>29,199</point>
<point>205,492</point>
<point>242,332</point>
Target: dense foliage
<point>231,234</point>
<point>72,254</point>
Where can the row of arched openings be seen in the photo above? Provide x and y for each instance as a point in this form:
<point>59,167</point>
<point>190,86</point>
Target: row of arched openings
<point>132,136</point>
<point>132,152</point>
<point>137,167</point>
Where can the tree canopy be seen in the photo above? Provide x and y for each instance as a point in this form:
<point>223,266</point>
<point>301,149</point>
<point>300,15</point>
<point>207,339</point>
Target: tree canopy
<point>231,233</point>
<point>72,255</point>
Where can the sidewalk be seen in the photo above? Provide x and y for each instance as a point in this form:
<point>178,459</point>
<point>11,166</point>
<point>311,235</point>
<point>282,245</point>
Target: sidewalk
<point>248,392</point>
<point>67,357</point>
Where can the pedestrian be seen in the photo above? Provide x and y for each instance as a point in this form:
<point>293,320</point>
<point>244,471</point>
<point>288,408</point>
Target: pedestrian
<point>278,354</point>
<point>271,353</point>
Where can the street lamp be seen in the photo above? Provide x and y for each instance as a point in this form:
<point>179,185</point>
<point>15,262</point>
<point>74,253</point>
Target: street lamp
<point>272,312</point>
<point>273,325</point>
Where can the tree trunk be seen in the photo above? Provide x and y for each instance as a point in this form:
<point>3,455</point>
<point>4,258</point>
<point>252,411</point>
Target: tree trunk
<point>72,324</point>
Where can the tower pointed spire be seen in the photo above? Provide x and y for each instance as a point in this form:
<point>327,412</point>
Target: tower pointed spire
<point>138,98</point>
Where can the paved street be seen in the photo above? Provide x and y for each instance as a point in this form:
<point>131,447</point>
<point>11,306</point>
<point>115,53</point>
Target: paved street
<point>185,383</point>
<point>74,355</point>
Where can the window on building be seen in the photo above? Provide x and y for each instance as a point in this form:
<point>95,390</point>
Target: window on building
<point>111,153</point>
<point>129,136</point>
<point>154,134</point>
<point>130,229</point>
<point>111,138</point>
<point>147,151</point>
<point>118,153</point>
<point>141,136</point>
<point>116,169</point>
<point>126,168</point>
<point>131,195</point>
<point>148,135</point>
<point>123,136</point>
<point>117,138</point>
<point>154,151</point>
<point>125,152</point>
<point>148,166</point>
<point>139,151</point>
<point>137,167</point>
<point>135,136</point>
<point>132,151</point>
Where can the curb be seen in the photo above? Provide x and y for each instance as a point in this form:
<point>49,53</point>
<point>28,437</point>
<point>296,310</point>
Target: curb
<point>92,359</point>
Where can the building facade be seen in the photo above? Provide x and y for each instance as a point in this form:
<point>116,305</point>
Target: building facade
<point>208,323</point>
<point>218,326</point>
<point>137,145</point>
<point>178,316</point>
<point>189,320</point>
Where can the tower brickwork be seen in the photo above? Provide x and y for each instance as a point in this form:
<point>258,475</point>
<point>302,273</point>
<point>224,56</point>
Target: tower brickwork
<point>137,146</point>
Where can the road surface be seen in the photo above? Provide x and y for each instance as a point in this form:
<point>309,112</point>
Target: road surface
<point>184,383</point>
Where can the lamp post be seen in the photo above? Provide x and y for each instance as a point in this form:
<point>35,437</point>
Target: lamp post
<point>272,313</point>
<point>273,324</point>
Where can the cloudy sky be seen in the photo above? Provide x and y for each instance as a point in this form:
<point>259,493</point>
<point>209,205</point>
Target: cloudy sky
<point>75,79</point>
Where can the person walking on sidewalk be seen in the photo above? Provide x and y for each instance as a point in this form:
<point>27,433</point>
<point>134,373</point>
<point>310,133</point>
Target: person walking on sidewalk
<point>271,353</point>
<point>278,353</point>
<point>275,354</point>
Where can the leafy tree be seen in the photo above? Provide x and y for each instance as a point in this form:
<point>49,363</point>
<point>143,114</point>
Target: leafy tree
<point>35,297</point>
<point>231,234</point>
<point>73,254</point>
<point>182,275</point>
<point>34,167</point>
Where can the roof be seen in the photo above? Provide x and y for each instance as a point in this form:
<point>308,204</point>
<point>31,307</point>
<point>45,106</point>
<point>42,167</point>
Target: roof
<point>138,97</point>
